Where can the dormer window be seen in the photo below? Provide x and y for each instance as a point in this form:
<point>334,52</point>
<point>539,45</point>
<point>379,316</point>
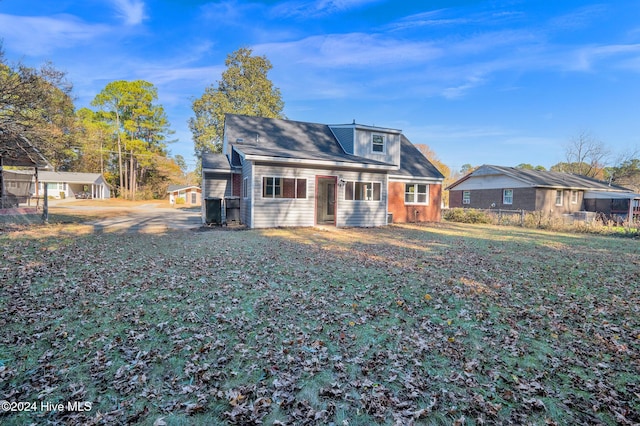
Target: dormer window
<point>377,144</point>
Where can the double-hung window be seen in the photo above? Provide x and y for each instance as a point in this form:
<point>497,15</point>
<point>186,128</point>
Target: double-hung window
<point>507,196</point>
<point>272,187</point>
<point>574,197</point>
<point>466,197</point>
<point>416,193</point>
<point>378,144</point>
<point>559,197</point>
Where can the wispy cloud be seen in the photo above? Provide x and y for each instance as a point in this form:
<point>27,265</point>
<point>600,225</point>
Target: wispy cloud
<point>620,55</point>
<point>352,50</point>
<point>132,12</point>
<point>579,18</point>
<point>39,35</point>
<point>317,8</point>
<point>164,75</point>
<point>448,18</point>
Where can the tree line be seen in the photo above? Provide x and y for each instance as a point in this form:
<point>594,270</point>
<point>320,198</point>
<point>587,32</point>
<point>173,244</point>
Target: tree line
<point>125,136</point>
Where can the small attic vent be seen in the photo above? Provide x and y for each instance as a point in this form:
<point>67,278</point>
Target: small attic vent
<point>239,140</point>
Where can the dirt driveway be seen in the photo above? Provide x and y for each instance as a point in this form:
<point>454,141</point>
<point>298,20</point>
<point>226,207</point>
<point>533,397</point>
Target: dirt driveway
<point>119,216</point>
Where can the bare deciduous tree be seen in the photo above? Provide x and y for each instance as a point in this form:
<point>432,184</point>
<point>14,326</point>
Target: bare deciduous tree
<point>585,155</point>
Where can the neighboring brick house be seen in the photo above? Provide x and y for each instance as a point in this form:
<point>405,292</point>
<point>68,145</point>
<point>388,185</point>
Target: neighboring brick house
<point>554,193</point>
<point>293,173</point>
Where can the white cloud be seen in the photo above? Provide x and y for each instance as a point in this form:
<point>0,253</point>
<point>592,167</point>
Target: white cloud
<point>317,8</point>
<point>351,50</point>
<point>579,18</point>
<point>163,75</point>
<point>39,35</point>
<point>589,57</point>
<point>459,91</point>
<point>131,11</point>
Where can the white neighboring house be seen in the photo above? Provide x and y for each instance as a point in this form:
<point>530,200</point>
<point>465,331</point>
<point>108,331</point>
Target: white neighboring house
<point>71,184</point>
<point>190,194</point>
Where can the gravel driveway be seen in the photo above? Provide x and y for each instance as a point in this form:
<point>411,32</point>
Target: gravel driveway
<point>141,218</point>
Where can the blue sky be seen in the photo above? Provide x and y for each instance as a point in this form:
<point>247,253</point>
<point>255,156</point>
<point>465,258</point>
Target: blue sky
<point>482,82</point>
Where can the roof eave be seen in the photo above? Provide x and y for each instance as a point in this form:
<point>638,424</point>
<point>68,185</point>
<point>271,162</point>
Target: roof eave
<point>213,170</point>
<point>302,161</point>
<point>405,178</point>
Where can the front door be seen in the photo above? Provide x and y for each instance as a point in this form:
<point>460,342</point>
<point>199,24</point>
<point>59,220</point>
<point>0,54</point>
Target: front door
<point>326,200</point>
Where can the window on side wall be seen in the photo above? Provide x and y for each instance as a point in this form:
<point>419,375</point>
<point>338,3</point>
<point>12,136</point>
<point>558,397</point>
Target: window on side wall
<point>574,197</point>
<point>277,187</point>
<point>466,197</point>
<point>507,196</point>
<point>416,193</point>
<point>378,144</point>
<point>362,191</point>
<point>558,197</point>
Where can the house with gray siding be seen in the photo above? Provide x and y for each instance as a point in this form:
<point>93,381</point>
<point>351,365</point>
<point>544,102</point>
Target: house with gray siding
<point>553,193</point>
<point>292,173</point>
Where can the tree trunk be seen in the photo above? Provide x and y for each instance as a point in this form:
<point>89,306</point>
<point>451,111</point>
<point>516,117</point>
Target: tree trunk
<point>132,177</point>
<point>120,167</point>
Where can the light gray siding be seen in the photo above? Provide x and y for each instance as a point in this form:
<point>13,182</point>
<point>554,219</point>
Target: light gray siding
<point>363,213</point>
<point>216,185</point>
<point>273,212</point>
<point>246,204</point>
<point>492,182</point>
<point>391,154</point>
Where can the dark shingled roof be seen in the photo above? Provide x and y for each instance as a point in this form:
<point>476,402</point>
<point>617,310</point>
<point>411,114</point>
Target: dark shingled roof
<point>215,161</point>
<point>310,141</point>
<point>16,150</point>
<point>173,188</point>
<point>544,179</point>
<point>285,135</point>
<point>413,163</point>
<point>273,137</point>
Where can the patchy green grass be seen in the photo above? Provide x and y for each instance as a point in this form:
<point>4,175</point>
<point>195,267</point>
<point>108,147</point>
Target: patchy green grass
<point>406,324</point>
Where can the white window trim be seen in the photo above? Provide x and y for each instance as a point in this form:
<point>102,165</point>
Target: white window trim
<point>415,193</point>
<point>574,197</point>
<point>467,199</point>
<point>262,188</point>
<point>561,197</point>
<point>504,197</point>
<point>372,200</point>
<point>245,188</point>
<point>384,144</point>
<point>282,197</point>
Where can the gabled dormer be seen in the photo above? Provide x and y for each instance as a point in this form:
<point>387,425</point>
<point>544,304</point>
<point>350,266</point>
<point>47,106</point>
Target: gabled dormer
<point>374,143</point>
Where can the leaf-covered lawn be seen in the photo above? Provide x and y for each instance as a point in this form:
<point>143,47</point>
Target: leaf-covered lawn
<point>402,325</point>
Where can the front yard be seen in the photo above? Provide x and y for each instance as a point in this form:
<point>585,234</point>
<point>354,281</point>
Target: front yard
<point>406,324</point>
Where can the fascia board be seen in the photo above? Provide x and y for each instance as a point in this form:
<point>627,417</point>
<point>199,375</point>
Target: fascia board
<point>300,161</point>
<point>409,179</point>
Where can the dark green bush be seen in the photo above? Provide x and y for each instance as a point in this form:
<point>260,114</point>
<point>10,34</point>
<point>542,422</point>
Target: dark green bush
<point>467,216</point>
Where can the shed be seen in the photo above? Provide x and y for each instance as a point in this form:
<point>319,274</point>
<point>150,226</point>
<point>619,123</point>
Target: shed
<point>17,151</point>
